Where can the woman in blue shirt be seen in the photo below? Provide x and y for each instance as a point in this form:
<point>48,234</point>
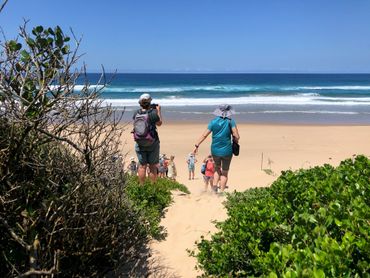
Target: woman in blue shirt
<point>222,128</point>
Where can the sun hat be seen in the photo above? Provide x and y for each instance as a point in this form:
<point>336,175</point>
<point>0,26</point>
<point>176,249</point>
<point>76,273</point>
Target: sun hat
<point>132,158</point>
<point>145,98</point>
<point>224,111</point>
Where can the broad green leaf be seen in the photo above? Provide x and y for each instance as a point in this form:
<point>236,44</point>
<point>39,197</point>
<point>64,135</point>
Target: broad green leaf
<point>338,222</point>
<point>39,29</point>
<point>318,273</point>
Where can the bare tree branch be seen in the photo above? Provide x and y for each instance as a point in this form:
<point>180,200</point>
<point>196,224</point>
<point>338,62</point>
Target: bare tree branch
<point>3,5</point>
<point>38,272</point>
<point>14,235</point>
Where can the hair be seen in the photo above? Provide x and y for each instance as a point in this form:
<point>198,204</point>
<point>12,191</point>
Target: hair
<point>144,103</point>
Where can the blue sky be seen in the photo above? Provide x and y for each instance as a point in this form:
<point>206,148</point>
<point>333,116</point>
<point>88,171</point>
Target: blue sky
<point>209,35</point>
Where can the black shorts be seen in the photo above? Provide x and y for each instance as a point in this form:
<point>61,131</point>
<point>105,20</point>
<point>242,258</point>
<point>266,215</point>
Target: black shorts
<point>222,162</point>
<point>148,155</point>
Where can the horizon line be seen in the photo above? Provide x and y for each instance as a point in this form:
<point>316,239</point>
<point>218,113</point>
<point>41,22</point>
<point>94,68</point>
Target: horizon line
<point>216,72</point>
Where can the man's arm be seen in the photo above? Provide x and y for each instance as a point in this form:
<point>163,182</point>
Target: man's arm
<point>158,108</point>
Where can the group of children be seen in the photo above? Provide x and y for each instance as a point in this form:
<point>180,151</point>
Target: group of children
<point>167,168</point>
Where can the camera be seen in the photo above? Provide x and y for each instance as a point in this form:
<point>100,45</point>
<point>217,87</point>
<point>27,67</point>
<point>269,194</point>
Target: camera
<point>153,105</point>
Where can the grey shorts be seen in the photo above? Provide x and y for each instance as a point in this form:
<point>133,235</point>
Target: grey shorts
<point>148,155</point>
<point>222,162</point>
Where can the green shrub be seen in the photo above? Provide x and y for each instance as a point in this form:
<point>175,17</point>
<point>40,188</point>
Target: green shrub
<point>309,223</point>
<point>53,211</point>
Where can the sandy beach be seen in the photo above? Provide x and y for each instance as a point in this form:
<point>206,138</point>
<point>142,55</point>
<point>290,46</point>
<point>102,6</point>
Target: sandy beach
<point>271,147</point>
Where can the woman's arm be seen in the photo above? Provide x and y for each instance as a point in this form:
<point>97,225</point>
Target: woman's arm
<point>201,139</point>
<point>236,133</point>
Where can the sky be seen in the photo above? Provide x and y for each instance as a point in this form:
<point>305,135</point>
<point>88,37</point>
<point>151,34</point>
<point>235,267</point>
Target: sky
<point>252,36</point>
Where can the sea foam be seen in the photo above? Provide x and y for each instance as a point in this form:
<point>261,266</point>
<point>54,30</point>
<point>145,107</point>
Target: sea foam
<point>302,99</point>
<point>227,88</point>
<point>354,88</point>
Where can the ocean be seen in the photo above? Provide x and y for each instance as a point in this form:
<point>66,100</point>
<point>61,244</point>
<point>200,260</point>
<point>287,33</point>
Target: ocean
<point>256,98</point>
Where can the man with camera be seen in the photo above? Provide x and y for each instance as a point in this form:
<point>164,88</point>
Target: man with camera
<point>146,120</point>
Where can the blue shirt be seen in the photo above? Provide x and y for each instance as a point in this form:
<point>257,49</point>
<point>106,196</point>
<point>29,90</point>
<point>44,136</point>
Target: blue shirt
<point>221,136</point>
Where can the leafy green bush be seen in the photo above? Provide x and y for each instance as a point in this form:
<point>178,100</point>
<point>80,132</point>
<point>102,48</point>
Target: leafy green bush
<point>151,200</point>
<point>309,223</point>
<point>56,212</point>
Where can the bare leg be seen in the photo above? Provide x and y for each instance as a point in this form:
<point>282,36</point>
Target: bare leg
<point>210,183</point>
<point>153,172</point>
<point>223,180</point>
<point>192,173</point>
<point>206,181</point>
<point>141,173</point>
<point>216,177</point>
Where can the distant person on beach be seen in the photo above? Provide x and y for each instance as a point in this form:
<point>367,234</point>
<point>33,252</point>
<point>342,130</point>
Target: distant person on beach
<point>209,171</point>
<point>162,168</point>
<point>172,172</point>
<point>146,119</point>
<point>222,128</point>
<point>166,161</point>
<point>191,160</point>
<point>132,167</point>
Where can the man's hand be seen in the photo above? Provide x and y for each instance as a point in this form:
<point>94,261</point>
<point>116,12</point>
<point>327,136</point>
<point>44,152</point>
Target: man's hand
<point>158,107</point>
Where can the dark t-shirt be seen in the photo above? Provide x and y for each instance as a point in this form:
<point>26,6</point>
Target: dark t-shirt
<point>153,118</point>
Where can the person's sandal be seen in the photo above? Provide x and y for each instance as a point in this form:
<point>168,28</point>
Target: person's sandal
<point>214,188</point>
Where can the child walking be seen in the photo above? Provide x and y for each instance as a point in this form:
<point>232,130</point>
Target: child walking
<point>172,172</point>
<point>162,169</point>
<point>191,160</point>
<point>209,172</point>
<point>132,167</point>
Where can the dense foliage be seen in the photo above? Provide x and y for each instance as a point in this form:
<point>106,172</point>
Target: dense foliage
<point>309,223</point>
<point>66,207</point>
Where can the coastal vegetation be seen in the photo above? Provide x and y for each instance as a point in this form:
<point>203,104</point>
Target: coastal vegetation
<point>309,223</point>
<point>67,207</point>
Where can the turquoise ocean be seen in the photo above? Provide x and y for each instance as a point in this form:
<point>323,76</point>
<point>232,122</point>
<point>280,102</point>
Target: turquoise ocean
<point>256,98</point>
